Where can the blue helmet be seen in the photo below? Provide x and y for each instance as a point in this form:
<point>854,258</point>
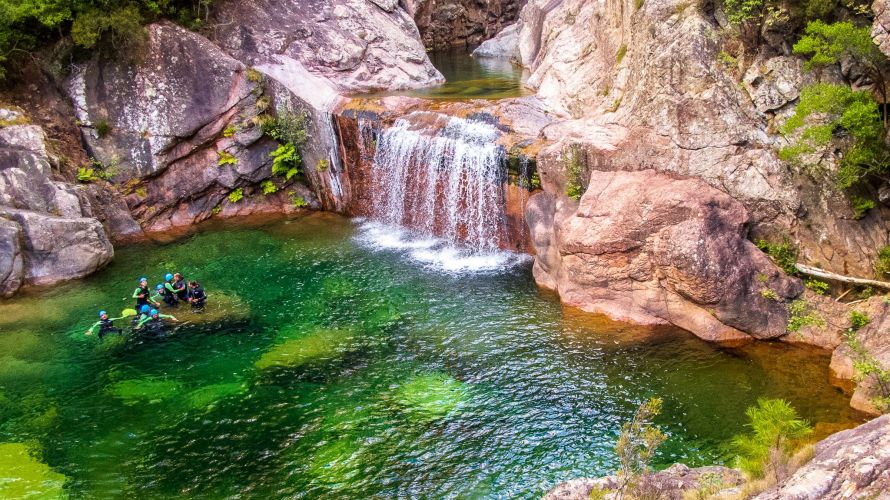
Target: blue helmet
<point>153,312</point>
<point>168,277</point>
<point>102,313</point>
<point>159,287</point>
<point>143,279</point>
<point>144,309</point>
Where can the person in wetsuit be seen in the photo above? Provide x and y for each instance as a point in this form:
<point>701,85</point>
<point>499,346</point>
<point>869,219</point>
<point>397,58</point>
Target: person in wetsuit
<point>143,313</point>
<point>179,286</point>
<point>170,297</point>
<point>154,323</point>
<point>105,324</point>
<point>165,295</point>
<point>143,295</point>
<point>197,297</point>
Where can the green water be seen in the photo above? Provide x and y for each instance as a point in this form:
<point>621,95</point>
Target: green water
<point>337,371</point>
<point>469,77</point>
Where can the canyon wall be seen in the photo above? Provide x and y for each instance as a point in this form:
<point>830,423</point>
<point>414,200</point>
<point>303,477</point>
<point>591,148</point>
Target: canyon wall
<point>461,23</point>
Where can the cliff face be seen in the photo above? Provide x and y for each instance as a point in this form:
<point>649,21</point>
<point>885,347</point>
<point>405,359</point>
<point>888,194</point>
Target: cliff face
<point>461,23</point>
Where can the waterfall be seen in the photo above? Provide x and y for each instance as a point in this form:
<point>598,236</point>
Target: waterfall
<point>437,185</point>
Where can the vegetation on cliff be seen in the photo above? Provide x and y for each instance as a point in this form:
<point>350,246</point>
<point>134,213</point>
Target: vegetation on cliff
<point>27,26</point>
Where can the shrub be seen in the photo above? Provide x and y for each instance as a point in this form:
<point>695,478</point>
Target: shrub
<point>102,128</point>
<point>236,195</point>
<point>866,367</point>
<point>323,164</point>
<point>882,264</point>
<point>858,320</point>
<point>254,76</point>
<point>860,205</point>
<point>285,161</point>
<point>269,187</point>
<point>226,158</point>
<point>784,254</point>
<point>298,201</point>
<point>86,175</point>
<point>740,11</point>
<point>637,444</point>
<point>230,131</point>
<point>775,432</point>
<point>817,286</point>
<point>770,294</point>
<point>801,315</point>
<point>287,128</point>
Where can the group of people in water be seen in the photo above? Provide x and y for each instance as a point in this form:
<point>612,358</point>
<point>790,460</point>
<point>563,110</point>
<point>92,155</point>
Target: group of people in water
<point>173,291</point>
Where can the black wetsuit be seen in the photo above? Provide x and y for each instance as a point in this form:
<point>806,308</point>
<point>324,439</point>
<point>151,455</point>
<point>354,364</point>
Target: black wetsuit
<point>142,301</point>
<point>198,297</point>
<point>182,291</point>
<point>106,326</point>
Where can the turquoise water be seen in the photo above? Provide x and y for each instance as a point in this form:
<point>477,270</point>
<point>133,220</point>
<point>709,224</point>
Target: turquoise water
<point>334,370</point>
<point>468,77</point>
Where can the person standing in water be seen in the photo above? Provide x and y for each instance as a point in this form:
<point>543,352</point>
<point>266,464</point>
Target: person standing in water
<point>182,291</point>
<point>197,297</point>
<point>169,291</point>
<point>105,324</point>
<point>143,295</point>
<point>154,322</point>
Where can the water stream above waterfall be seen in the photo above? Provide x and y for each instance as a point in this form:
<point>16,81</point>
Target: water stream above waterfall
<point>327,370</point>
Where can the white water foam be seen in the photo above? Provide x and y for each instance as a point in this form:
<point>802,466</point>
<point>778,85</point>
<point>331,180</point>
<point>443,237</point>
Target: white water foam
<point>434,253</point>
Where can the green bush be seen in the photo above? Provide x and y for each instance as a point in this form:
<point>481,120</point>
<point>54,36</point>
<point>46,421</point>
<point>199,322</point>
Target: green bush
<point>868,367</point>
<point>818,287</point>
<point>801,315</point>
<point>860,205</point>
<point>269,187</point>
<point>86,175</point>
<point>858,320</point>
<point>784,254</point>
<point>775,432</point>
<point>236,195</point>
<point>102,128</point>
<point>225,158</point>
<point>741,11</point>
<point>285,161</point>
<point>882,264</point>
<point>287,128</point>
<point>636,446</point>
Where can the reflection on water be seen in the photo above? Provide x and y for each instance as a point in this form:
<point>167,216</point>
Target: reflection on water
<point>468,77</point>
<point>326,369</point>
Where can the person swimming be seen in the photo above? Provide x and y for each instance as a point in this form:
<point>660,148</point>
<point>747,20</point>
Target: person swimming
<point>142,313</point>
<point>105,324</point>
<point>197,297</point>
<point>154,323</point>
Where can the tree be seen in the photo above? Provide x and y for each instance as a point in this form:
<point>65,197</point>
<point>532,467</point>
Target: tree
<point>828,111</point>
<point>775,431</point>
<point>828,44</point>
<point>637,444</point>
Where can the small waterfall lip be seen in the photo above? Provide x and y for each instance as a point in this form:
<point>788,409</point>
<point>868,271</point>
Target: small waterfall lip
<point>435,254</point>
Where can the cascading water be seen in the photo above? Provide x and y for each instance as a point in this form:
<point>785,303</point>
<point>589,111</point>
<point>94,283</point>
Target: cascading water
<point>442,178</point>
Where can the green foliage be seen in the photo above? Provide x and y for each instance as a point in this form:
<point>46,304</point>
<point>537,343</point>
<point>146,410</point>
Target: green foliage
<point>298,201</point>
<point>784,254</point>
<point>882,264</point>
<point>740,11</point>
<point>801,315</point>
<point>619,56</point>
<point>254,76</point>
<point>287,128</point>
<point>285,161</point>
<point>858,320</point>
<point>236,195</point>
<point>86,175</point>
<point>775,427</point>
<point>637,443</point>
<point>827,44</point>
<point>226,158</point>
<point>269,187</point>
<point>116,26</point>
<point>102,128</point>
<point>727,59</point>
<point>769,293</point>
<point>817,286</point>
<point>323,164</point>
<point>860,205</point>
<point>573,159</point>
<point>868,367</point>
<point>230,131</point>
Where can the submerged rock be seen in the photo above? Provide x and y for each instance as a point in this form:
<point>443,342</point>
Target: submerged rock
<point>431,396</point>
<point>147,389</point>
<point>23,476</point>
<point>319,345</point>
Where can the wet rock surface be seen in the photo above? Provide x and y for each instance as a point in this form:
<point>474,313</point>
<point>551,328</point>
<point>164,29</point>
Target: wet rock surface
<point>669,484</point>
<point>652,248</point>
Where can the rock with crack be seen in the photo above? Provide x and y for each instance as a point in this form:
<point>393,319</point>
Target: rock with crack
<point>854,463</point>
<point>652,248</point>
<point>47,231</point>
<point>353,45</point>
